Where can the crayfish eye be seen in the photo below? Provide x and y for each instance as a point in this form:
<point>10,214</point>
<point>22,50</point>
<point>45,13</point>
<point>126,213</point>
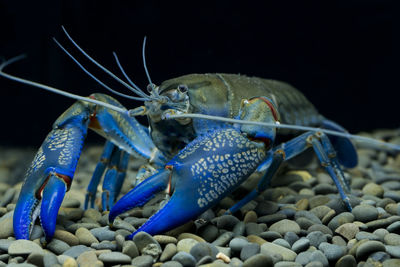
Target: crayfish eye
<point>182,88</point>
<point>150,87</point>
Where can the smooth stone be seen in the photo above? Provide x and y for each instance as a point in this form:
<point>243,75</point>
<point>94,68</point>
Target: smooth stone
<point>72,214</point>
<point>270,248</point>
<point>37,232</point>
<point>225,222</point>
<point>120,224</point>
<point>129,248</point>
<point>394,251</point>
<point>207,259</point>
<point>259,260</point>
<point>272,218</point>
<point>318,201</point>
<point>392,194</point>
<point>365,213</point>
<point>186,259</point>
<point>203,249</point>
<point>338,240</point>
<point>165,239</point>
<point>35,259</point>
<point>169,251</point>
<point>346,261</point>
<point>394,228</point>
<point>142,261</point>
<point>380,223</point>
<point>114,258</point>
<point>314,264</point>
<point>391,263</point>
<point>347,230</point>
<point>302,204</point>
<point>104,245</point>
<point>285,226</point>
<point>291,238</point>
<point>332,252</point>
<point>381,233</point>
<point>306,257</point>
<point>287,264</point>
<point>146,244</point>
<point>250,216</point>
<point>304,223</point>
<point>373,189</point>
<point>93,214</point>
<point>58,246</point>
<point>85,237</point>
<point>320,227</point>
<point>223,239</point>
<point>282,242</point>
<point>266,208</point>
<point>316,238</point>
<point>309,215</point>
<point>6,229</point>
<point>73,227</point>
<point>49,260</point>
<point>254,228</point>
<point>366,235</point>
<point>67,237</point>
<point>249,250</point>
<point>75,251</point>
<point>238,230</point>
<point>70,262</point>
<point>380,256</point>
<point>190,235</point>
<point>345,217</point>
<point>369,247</point>
<point>172,264</point>
<point>301,245</point>
<point>328,216</point>
<point>392,239</point>
<point>23,247</point>
<point>87,259</point>
<point>5,244</point>
<point>103,233</point>
<point>209,232</point>
<point>270,235</point>
<point>236,244</point>
<point>186,244</point>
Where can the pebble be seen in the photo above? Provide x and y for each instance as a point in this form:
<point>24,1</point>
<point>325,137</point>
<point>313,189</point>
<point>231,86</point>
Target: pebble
<point>342,218</point>
<point>251,216</point>
<point>67,237</point>
<point>104,245</point>
<point>236,244</point>
<point>93,214</point>
<point>225,222</point>
<point>85,237</point>
<point>115,258</point>
<point>172,264</point>
<point>394,251</point>
<point>129,248</point>
<point>165,239</point>
<point>58,246</point>
<point>49,259</point>
<point>223,239</point>
<point>270,249</point>
<point>210,232</point>
<point>23,247</point>
<point>75,251</point>
<point>365,213</point>
<point>391,263</point>
<point>282,242</point>
<point>272,218</point>
<point>249,250</point>
<point>301,245</point>
<point>142,261</point>
<point>203,249</point>
<point>103,233</point>
<point>70,262</point>
<point>394,228</point>
<point>316,238</point>
<point>120,224</point>
<point>87,259</point>
<point>367,235</point>
<point>368,248</point>
<point>392,239</point>
<point>266,208</point>
<point>285,226</point>
<point>169,251</point>
<point>347,230</point>
<point>320,227</point>
<point>190,235</point>
<point>6,228</point>
<point>186,244</point>
<point>332,252</point>
<point>259,260</point>
<point>186,259</point>
<point>35,259</point>
<point>306,257</point>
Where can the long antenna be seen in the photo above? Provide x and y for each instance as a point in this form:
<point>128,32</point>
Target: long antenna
<point>144,60</point>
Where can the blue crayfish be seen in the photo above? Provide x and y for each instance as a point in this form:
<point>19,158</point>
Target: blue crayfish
<point>207,134</point>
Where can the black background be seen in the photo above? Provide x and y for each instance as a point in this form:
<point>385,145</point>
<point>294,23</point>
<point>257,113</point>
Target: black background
<point>343,55</point>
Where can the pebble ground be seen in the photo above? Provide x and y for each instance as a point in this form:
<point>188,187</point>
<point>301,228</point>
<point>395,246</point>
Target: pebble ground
<point>298,221</point>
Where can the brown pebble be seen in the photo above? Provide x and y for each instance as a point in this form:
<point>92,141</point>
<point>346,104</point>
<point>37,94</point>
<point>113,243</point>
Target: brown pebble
<point>70,262</point>
<point>302,204</point>
<point>192,236</point>
<point>223,257</point>
<point>348,230</point>
<point>67,237</point>
<point>251,216</point>
<point>256,239</point>
<point>165,239</point>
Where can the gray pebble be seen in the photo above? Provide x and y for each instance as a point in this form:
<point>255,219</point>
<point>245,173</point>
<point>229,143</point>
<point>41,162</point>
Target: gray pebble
<point>393,194</point>
<point>392,239</point>
<point>272,218</point>
<point>332,252</point>
<point>291,237</point>
<point>365,213</point>
<point>135,222</point>
<point>114,258</point>
<point>75,251</point>
<point>49,260</point>
<point>316,238</point>
<point>306,257</point>
<point>287,264</point>
<point>253,228</point>
<point>85,237</point>
<point>4,244</point>
<point>6,228</point>
<point>237,244</point>
<point>129,248</point>
<point>37,232</point>
<point>282,242</point>
<point>104,245</point>
<point>169,251</point>
<point>223,239</point>
<point>345,217</point>
<point>142,261</point>
<point>270,235</point>
<point>35,259</point>
<point>380,233</point>
<point>23,247</point>
<point>249,250</point>
<point>186,244</point>
<point>7,197</point>
<point>369,247</point>
<point>93,214</point>
<point>380,256</point>
<point>144,241</point>
<point>202,249</point>
<point>285,226</point>
<point>58,246</point>
<point>366,235</point>
<point>225,222</point>
<point>309,215</point>
<point>103,233</point>
<point>206,260</point>
<point>346,261</point>
<point>239,229</point>
<point>394,228</point>
<point>172,264</point>
<point>301,245</point>
<point>304,223</point>
<point>185,259</point>
<point>120,224</point>
<point>208,232</point>
<point>258,260</point>
<point>75,226</point>
<point>320,227</point>
<point>394,251</point>
<point>266,208</point>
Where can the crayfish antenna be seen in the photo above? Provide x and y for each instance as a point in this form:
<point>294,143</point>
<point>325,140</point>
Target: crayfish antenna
<point>362,139</point>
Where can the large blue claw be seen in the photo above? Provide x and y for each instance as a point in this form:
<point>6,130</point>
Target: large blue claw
<point>203,173</point>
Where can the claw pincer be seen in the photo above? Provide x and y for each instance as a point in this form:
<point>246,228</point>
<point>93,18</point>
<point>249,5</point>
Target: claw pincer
<point>50,174</point>
<point>201,175</point>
